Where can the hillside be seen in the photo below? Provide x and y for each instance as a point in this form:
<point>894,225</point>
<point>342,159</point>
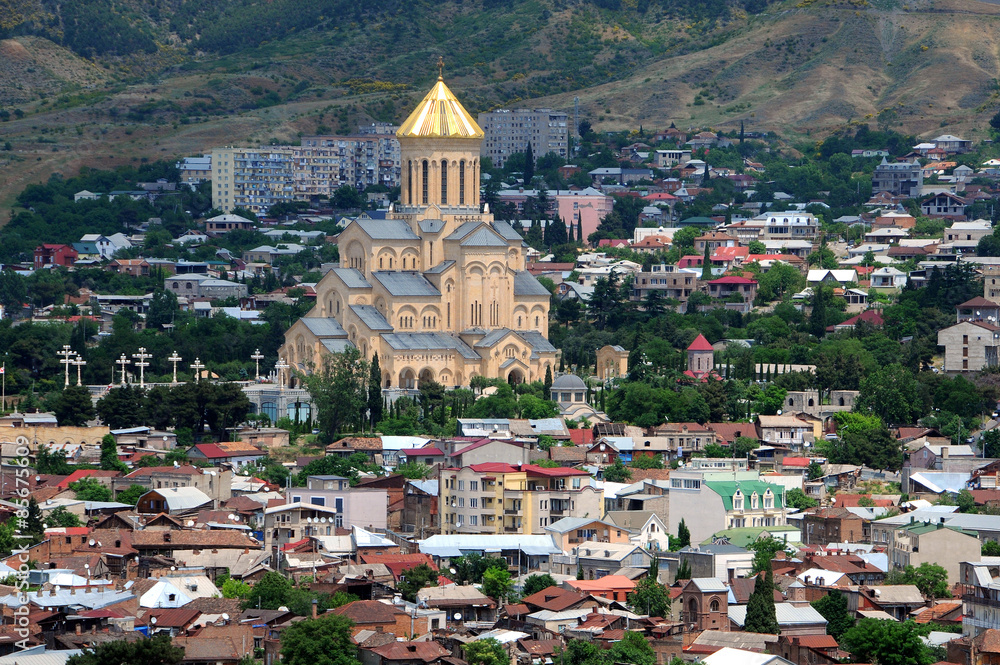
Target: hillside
<point>173,77</point>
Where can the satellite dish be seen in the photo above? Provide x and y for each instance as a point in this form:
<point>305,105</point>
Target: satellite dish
<point>282,609</point>
<point>87,566</point>
<point>231,516</point>
<point>225,617</point>
<point>92,542</point>
<point>457,616</point>
<point>173,567</point>
<point>153,620</point>
<point>453,571</point>
<point>190,522</point>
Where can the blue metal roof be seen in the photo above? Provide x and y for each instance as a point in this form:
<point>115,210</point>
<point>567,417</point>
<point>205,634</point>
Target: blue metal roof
<point>525,284</point>
<point>371,317</point>
<point>405,284</point>
<point>386,229</point>
<point>323,327</point>
<point>351,277</point>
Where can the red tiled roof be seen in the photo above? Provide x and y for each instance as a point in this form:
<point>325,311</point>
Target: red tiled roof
<point>795,461</point>
<point>700,344</point>
<point>86,473</point>
<point>493,467</point>
<point>368,612</point>
<point>409,651</point>
<point>729,432</point>
<point>816,641</point>
<point>555,599</point>
<point>852,501</point>
<point>212,451</point>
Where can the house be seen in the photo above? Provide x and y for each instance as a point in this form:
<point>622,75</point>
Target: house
<point>173,500</point>
<point>361,506</point>
<point>598,559</point>
<point>225,223</point>
<point>51,255</point>
<point>384,617</point>
<point>462,603</point>
<point>130,267</point>
<point>610,587</point>
<point>820,276</point>
<point>406,653</point>
<point>951,144</point>
<point>871,317</point>
<point>644,527</point>
<point>967,234</point>
<point>709,506</point>
<point>107,245</point>
<point>740,291</point>
<point>899,178</point>
<point>969,346</point>
<point>888,278</point>
<point>832,525</point>
<point>790,226</point>
<point>571,531</point>
<point>944,205</point>
<point>291,522</point>
<point>793,619</point>
<point>785,431</point>
<point>917,542</point>
<point>237,453</point>
<point>724,560</point>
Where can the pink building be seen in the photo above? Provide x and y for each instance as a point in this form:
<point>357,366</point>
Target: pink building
<point>587,205</point>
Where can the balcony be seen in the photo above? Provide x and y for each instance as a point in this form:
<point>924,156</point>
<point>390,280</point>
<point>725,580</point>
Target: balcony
<point>511,511</point>
<point>973,599</point>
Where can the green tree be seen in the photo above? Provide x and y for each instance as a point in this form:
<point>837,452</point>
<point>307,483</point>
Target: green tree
<point>761,615</point>
<point>991,548</point>
<point>893,394</point>
<point>235,589</point>
<point>764,550</point>
<point>90,489</point>
<point>414,579</point>
<point>632,648</point>
<point>966,501</point>
<point>815,470</point>
<point>121,407</point>
<point>270,593</point>
<point>579,571</point>
<point>156,650</point>
<point>930,578</point>
<point>374,392</point>
<point>743,446</point>
<point>487,651</point>
<point>684,570</point>
<point>414,470</point>
<point>796,498</point>
<point>886,643</point>
<point>131,494</point>
<point>322,641</point>
<point>52,462</point>
<point>649,596</point>
<point>33,521</point>
<point>537,582</point>
<point>647,462</point>
<point>74,408</point>
<point>339,390</point>
<point>617,472</point>
<point>683,534</point>
<point>60,517</point>
<point>497,584</point>
<point>109,455</point>
<point>346,198</point>
<point>833,607</point>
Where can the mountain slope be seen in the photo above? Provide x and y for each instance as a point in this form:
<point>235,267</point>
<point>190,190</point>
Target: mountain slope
<point>802,67</point>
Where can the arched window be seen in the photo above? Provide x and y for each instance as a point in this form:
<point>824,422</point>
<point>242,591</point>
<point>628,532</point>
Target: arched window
<point>738,500</point>
<point>811,402</point>
<point>714,607</point>
<point>444,182</point>
<point>425,178</point>
<point>461,183</point>
<point>754,499</point>
<point>409,182</point>
<point>841,401</point>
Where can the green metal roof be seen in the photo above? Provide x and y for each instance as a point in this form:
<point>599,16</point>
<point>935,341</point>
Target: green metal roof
<point>920,528</point>
<point>744,536</point>
<point>726,490</point>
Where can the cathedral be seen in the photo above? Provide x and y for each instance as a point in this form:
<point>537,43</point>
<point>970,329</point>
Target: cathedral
<point>439,289</point>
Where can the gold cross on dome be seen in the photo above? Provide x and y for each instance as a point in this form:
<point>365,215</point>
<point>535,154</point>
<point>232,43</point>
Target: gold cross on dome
<point>440,67</point>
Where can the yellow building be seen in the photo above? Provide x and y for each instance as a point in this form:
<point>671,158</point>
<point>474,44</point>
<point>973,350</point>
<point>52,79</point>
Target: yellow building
<point>438,289</point>
<point>509,498</point>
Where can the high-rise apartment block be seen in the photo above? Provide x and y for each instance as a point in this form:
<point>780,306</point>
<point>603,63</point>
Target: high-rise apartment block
<point>509,131</point>
<point>258,178</point>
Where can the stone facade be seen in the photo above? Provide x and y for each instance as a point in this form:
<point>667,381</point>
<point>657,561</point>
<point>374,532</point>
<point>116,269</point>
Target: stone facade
<point>612,362</point>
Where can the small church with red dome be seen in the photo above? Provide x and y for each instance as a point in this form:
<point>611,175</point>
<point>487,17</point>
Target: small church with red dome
<point>701,360</point>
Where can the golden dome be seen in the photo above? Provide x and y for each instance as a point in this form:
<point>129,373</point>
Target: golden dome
<point>440,115</point>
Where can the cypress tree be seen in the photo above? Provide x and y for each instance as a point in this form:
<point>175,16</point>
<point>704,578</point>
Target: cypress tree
<point>761,616</point>
<point>529,166</point>
<point>579,230</point>
<point>374,392</point>
<point>741,132</point>
<point>683,534</point>
<point>706,266</point>
<point>548,381</point>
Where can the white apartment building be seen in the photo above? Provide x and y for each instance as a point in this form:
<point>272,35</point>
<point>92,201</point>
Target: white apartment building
<point>509,131</point>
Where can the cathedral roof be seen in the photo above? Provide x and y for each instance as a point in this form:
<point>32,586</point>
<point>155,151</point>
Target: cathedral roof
<point>430,225</point>
<point>386,229</point>
<point>439,268</point>
<point>700,344</point>
<point>537,341</point>
<point>323,327</point>
<point>405,284</point>
<point>352,278</point>
<point>440,115</point>
<point>428,341</point>
<point>525,284</point>
<point>463,230</point>
<point>371,317</point>
<point>484,237</point>
<point>337,345</point>
<point>506,230</point>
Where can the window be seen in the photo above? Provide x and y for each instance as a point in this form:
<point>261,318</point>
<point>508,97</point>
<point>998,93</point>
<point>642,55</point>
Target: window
<point>444,183</point>
<point>473,485</point>
<point>425,180</point>
<point>473,503</point>
<point>714,606</point>
<point>461,183</point>
<point>317,500</point>
<point>461,502</point>
<point>461,485</point>
<point>473,519</point>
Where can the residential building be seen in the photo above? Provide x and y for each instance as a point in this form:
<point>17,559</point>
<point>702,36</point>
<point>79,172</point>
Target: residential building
<point>833,525</point>
<point>227,222</point>
<point>195,170</point>
<point>51,255</point>
<point>509,131</point>
<point>130,267</point>
<point>917,542</point>
<point>599,560</point>
<point>785,431</point>
<point>354,506</point>
<point>951,144</point>
<point>504,498</point>
<point>322,164</point>
<point>969,346</point>
<point>609,587</point>
<point>291,522</point>
<point>215,482</point>
<point>439,290</point>
<point>980,595</point>
<point>253,179</point>
<point>900,178</point>
<point>888,278</point>
<point>944,205</point>
<point>968,234</point>
<point>571,531</point>
<point>668,158</point>
<point>724,561</point>
<point>197,285</point>
<point>738,292</point>
<point>421,515</point>
<point>669,282</point>
<point>710,501</point>
<point>790,226</point>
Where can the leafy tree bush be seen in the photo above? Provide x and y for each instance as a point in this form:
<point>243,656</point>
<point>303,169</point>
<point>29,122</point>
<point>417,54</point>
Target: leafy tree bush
<point>322,641</point>
<point>537,582</point>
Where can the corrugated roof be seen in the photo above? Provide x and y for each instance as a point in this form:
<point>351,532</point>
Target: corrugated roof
<point>406,284</point>
<point>506,230</point>
<point>185,498</point>
<point>371,317</point>
<point>525,284</point>
<point>484,237</point>
<point>786,613</point>
<point>428,341</point>
<point>448,545</point>
<point>386,229</point>
<point>439,268</point>
<point>430,225</point>
<point>337,345</point>
<point>351,277</point>
<point>323,327</point>
<point>463,230</point>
